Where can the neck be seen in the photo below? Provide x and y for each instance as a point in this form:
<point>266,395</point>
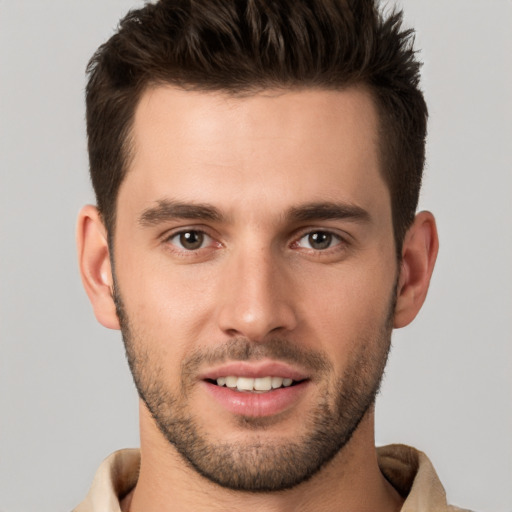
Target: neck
<point>352,481</point>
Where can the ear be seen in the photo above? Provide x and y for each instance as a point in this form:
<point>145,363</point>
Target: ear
<point>94,263</point>
<point>419,253</point>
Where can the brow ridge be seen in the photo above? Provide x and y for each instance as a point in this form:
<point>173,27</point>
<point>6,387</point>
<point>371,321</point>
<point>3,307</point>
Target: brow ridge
<point>167,210</point>
<point>327,211</point>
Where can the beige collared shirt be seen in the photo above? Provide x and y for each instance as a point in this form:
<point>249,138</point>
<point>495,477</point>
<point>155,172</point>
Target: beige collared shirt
<point>410,472</point>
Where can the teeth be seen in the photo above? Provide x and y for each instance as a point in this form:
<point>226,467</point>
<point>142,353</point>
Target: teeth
<point>263,384</point>
<point>277,382</point>
<point>230,382</point>
<point>250,384</point>
<point>245,384</point>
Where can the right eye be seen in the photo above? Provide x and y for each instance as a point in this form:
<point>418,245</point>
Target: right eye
<point>190,240</point>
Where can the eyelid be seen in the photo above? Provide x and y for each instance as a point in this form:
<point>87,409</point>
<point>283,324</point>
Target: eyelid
<point>176,236</point>
<point>343,239</point>
<point>175,232</point>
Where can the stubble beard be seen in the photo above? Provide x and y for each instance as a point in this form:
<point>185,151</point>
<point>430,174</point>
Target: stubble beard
<point>261,465</point>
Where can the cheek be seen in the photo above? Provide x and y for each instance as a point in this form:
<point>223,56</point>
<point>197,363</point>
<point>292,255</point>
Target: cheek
<point>169,303</point>
<point>349,306</point>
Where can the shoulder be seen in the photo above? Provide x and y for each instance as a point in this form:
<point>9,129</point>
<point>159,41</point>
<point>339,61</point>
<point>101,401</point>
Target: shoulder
<point>116,477</point>
<point>412,474</point>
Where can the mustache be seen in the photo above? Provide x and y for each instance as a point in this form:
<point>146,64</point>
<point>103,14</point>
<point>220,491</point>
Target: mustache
<point>243,349</point>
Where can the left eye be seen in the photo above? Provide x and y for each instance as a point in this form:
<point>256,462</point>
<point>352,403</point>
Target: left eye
<point>319,240</point>
<point>190,240</point>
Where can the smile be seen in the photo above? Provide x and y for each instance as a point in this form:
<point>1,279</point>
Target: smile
<point>255,388</point>
<point>257,385</point>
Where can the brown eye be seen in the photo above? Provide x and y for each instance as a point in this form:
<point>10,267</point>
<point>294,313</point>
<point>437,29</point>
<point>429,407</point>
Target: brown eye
<point>190,240</point>
<point>318,240</point>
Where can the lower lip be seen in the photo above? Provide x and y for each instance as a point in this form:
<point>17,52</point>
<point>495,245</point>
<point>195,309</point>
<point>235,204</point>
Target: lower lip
<point>257,405</point>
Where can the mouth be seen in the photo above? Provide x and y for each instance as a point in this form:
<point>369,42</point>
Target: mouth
<point>266,384</point>
<point>257,388</point>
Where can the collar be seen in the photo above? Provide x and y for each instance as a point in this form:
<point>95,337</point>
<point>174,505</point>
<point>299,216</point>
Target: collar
<point>408,470</point>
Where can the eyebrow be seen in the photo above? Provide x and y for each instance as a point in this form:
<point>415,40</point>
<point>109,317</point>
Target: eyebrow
<point>167,210</point>
<point>328,211</point>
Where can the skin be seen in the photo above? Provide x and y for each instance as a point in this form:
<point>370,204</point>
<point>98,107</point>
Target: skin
<point>256,160</point>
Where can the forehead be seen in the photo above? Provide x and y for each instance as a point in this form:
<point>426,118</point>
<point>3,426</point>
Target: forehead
<point>206,146</point>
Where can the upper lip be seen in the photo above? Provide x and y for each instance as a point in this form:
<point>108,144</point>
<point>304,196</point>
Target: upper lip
<point>254,369</point>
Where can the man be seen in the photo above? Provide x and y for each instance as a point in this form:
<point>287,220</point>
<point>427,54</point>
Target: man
<point>257,167</point>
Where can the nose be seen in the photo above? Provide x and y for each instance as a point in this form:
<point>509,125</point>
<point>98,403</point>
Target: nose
<point>257,298</point>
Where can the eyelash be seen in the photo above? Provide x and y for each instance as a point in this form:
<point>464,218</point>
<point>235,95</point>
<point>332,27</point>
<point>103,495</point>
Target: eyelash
<point>333,238</point>
<point>183,232</point>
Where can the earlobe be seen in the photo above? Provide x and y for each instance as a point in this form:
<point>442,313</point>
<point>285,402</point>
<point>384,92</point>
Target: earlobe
<point>94,264</point>
<point>419,253</point>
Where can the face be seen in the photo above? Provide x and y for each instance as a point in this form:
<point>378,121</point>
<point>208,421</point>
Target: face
<point>255,275</point>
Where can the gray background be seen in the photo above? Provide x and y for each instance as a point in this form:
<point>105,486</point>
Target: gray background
<point>66,397</point>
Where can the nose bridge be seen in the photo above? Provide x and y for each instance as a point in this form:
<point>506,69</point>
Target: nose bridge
<point>257,298</point>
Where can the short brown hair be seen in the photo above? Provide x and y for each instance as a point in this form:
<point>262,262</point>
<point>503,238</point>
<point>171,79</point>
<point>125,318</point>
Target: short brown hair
<point>244,46</point>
